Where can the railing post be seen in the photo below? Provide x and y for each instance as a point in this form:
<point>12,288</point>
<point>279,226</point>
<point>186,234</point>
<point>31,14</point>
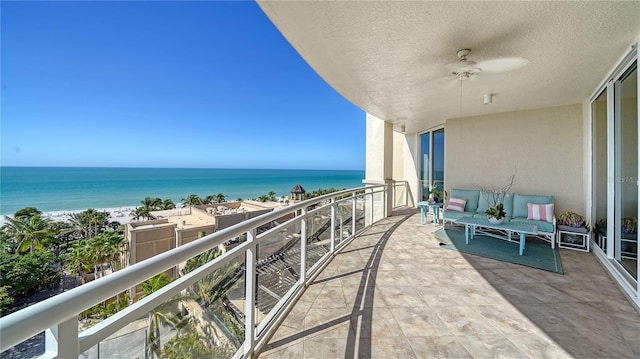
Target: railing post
<point>353,214</point>
<point>406,193</point>
<point>394,194</point>
<point>250,295</point>
<point>334,207</point>
<point>61,341</point>
<point>303,246</point>
<point>372,209</point>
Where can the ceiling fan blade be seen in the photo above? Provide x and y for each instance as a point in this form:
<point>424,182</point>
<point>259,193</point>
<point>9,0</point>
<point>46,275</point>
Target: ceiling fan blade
<point>503,64</point>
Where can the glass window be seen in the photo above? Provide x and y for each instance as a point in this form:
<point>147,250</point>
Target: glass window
<point>599,113</point>
<point>431,162</point>
<point>626,171</point>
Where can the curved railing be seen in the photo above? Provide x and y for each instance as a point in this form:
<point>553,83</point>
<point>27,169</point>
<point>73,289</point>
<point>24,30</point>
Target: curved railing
<point>244,291</point>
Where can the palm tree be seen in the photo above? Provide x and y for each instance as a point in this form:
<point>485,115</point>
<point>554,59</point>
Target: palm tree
<point>114,248</point>
<point>220,198</point>
<point>89,223</point>
<point>192,200</point>
<point>152,203</point>
<point>168,204</point>
<point>140,212</point>
<point>156,316</point>
<point>106,247</point>
<point>272,196</point>
<point>147,202</point>
<point>80,227</point>
<point>208,199</point>
<point>79,259</point>
<point>29,232</point>
<point>27,212</point>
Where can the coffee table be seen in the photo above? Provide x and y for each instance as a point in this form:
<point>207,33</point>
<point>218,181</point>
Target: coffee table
<point>471,224</point>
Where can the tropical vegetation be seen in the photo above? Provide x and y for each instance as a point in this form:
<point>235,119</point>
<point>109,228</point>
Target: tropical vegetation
<point>35,251</point>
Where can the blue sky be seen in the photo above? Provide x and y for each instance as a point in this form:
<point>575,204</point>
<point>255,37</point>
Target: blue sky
<point>165,84</point>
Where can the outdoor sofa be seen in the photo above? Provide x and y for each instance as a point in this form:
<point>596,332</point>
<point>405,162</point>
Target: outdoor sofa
<point>516,207</point>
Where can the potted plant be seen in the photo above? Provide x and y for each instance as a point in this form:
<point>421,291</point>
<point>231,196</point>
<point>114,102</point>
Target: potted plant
<point>495,198</point>
<point>436,195</point>
<point>496,214</point>
<point>574,220</point>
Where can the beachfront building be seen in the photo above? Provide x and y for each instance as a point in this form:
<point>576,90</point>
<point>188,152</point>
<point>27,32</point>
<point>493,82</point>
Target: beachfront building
<point>457,95</point>
<point>169,229</point>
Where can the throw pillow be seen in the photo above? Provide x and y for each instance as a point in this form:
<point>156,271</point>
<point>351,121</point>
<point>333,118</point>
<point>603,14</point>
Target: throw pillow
<point>456,204</point>
<point>540,212</point>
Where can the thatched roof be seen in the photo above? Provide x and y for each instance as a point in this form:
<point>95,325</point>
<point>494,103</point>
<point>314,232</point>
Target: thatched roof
<point>298,189</point>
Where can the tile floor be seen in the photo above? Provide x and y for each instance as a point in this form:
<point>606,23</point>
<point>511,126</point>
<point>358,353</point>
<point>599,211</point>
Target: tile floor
<point>394,293</point>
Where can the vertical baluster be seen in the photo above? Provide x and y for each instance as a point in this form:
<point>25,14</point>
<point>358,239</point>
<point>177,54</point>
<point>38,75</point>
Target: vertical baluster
<point>250,295</point>
<point>334,207</point>
<point>353,214</point>
<point>303,246</point>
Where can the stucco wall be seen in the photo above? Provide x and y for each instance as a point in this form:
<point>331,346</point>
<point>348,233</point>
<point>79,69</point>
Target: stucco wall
<point>404,160</point>
<point>152,242</point>
<point>544,147</point>
<point>379,156</point>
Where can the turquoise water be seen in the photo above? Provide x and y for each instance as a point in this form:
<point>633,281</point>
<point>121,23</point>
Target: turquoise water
<point>57,188</point>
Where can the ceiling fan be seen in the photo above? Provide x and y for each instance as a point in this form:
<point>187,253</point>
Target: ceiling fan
<point>465,68</point>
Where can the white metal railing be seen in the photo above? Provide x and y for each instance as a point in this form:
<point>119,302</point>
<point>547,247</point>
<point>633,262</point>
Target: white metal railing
<point>343,214</point>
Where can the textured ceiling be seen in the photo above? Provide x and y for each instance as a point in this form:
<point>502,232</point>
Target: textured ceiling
<point>388,57</point>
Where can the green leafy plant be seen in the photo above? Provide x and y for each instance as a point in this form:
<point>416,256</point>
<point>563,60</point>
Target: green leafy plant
<point>572,219</point>
<point>630,225</point>
<point>497,212</point>
<point>495,198</point>
<point>438,195</point>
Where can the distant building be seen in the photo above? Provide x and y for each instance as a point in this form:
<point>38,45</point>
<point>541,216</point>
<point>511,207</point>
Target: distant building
<point>172,228</point>
<point>297,193</point>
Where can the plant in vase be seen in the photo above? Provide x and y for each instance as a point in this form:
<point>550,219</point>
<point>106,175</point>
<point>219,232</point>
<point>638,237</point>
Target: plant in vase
<point>495,197</point>
<point>436,196</point>
<point>496,214</point>
<point>572,219</point>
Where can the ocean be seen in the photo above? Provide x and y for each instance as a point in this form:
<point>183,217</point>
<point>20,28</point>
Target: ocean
<point>77,188</point>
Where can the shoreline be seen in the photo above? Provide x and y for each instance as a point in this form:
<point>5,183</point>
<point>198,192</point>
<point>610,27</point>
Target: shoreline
<point>116,214</point>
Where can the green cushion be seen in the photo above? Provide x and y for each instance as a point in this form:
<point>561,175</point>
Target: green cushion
<point>483,203</point>
<point>471,195</point>
<point>542,225</point>
<point>508,204</point>
<point>520,201</point>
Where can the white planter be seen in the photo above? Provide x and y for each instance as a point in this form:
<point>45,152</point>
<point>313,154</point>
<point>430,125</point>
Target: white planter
<point>494,220</point>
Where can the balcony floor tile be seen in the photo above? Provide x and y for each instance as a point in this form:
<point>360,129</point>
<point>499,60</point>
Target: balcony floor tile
<point>394,293</point>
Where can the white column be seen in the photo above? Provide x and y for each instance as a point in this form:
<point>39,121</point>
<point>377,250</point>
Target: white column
<point>379,155</point>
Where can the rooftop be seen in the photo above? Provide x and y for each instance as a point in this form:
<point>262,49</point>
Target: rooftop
<point>393,292</point>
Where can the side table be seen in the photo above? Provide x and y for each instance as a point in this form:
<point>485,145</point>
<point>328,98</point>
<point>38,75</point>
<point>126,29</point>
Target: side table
<point>424,209</point>
<point>576,238</point>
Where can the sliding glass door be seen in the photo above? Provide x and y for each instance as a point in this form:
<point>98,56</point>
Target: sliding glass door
<point>431,162</point>
<point>615,172</point>
<point>626,171</point>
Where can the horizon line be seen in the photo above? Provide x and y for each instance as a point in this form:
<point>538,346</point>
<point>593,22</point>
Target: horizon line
<point>189,168</point>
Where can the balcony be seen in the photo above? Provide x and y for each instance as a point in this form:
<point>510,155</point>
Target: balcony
<point>342,279</point>
<point>393,292</point>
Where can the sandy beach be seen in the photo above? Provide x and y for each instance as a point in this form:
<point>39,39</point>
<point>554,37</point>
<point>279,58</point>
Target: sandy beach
<point>116,214</point>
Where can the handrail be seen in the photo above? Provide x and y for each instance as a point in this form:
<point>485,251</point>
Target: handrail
<point>30,321</point>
